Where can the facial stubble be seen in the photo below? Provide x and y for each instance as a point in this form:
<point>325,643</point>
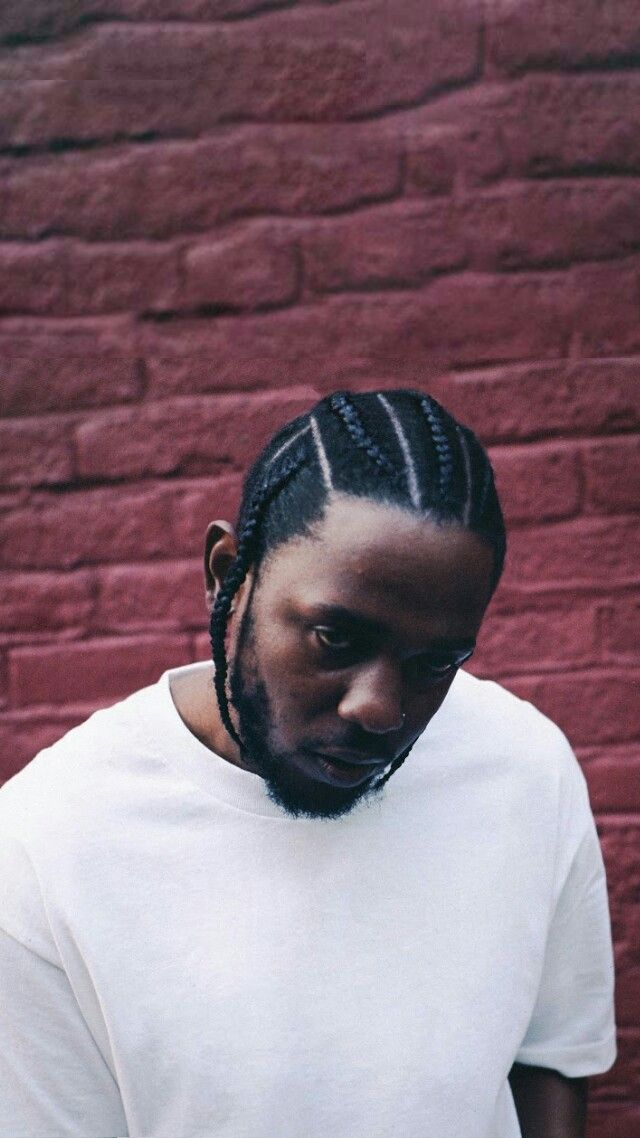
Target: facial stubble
<point>297,794</point>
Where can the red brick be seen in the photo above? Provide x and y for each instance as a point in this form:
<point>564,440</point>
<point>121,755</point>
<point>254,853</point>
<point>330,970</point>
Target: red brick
<point>45,112</point>
<point>617,1083</point>
<point>621,629</point>
<point>575,126</point>
<point>33,112</point>
<point>201,647</point>
<point>64,383</point>
<point>10,499</point>
<point>98,338</point>
<point>537,482</point>
<point>252,267</point>
<point>476,317</point>
<point>612,470</point>
<point>288,169</point>
<point>315,63</point>
<point>590,707</point>
<point>628,986</point>
<point>621,851</point>
<point>172,374</point>
<point>46,19</point>
<point>549,35</point>
<point>165,188</point>
<point>199,503</point>
<point>23,734</point>
<point>613,1121</point>
<point>92,197</point>
<point>484,157</point>
<point>533,226</point>
<point>200,10</point>
<point>619,839</point>
<point>626,933</point>
<point>466,134</point>
<point>41,601</point>
<point>550,224</point>
<point>593,551</point>
<point>343,62</point>
<point>202,435</point>
<point>584,396</point>
<point>32,278</point>
<point>431,161</point>
<point>34,453</point>
<point>120,277</point>
<point>109,50</point>
<point>400,244</point>
<point>605,309</point>
<point>38,20</point>
<point>456,320</point>
<point>114,524</point>
<point>613,775</point>
<point>161,595</point>
<point>91,526</point>
<point>551,637</point>
<point>85,671</point>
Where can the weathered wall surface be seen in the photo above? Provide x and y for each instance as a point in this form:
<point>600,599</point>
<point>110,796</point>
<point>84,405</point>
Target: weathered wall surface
<point>212,211</point>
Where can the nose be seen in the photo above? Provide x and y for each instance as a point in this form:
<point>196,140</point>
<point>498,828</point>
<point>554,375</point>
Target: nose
<point>374,698</point>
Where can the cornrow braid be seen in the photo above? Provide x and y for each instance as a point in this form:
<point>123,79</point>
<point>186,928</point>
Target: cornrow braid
<point>432,412</point>
<point>345,409</point>
<point>247,548</point>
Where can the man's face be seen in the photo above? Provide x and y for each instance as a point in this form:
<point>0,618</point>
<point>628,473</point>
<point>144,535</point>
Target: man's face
<point>348,646</point>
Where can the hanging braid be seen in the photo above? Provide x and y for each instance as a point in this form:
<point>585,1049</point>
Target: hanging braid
<point>404,449</point>
<point>396,764</point>
<point>247,547</point>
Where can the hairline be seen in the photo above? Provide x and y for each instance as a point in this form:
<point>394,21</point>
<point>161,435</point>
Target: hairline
<point>310,533</point>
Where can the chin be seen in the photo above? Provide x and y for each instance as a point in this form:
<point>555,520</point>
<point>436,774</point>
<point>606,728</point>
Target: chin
<point>288,785</point>
<point>315,799</point>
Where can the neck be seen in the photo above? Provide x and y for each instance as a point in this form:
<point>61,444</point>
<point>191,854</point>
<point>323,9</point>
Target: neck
<point>195,701</point>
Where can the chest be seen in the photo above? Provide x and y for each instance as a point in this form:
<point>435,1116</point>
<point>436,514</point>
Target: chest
<point>250,982</point>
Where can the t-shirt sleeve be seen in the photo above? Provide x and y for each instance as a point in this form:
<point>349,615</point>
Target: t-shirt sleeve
<point>572,1029</point>
<point>54,1081</point>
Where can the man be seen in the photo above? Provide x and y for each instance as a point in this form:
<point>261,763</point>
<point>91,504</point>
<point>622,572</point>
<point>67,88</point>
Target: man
<point>222,914</point>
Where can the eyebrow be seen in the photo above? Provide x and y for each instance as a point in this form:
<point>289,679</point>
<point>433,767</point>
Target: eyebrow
<point>378,628</point>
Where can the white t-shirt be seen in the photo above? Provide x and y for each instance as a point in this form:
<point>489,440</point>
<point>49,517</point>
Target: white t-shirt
<point>181,958</point>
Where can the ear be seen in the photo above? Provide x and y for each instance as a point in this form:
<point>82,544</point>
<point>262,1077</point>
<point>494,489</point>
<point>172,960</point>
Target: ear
<point>221,547</point>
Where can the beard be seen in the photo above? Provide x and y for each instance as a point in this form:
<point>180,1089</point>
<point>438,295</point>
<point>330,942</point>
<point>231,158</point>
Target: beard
<point>296,793</point>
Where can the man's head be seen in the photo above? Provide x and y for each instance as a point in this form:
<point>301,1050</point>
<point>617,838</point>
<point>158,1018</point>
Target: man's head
<point>370,539</point>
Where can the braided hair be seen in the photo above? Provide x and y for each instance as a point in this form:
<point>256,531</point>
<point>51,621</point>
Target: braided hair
<point>398,447</point>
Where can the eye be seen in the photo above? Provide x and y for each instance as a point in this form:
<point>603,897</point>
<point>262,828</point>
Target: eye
<point>432,669</point>
<point>335,639</point>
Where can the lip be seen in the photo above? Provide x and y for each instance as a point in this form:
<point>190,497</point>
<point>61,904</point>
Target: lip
<point>351,758</point>
<point>337,772</point>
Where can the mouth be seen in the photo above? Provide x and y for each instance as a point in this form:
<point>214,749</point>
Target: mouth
<point>339,771</point>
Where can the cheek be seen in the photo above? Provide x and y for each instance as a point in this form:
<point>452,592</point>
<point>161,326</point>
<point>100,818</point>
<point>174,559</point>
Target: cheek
<point>422,707</point>
<point>299,702</point>
<point>295,686</point>
<point>304,698</point>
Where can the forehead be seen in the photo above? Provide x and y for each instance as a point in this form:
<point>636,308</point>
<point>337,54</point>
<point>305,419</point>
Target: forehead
<point>417,577</point>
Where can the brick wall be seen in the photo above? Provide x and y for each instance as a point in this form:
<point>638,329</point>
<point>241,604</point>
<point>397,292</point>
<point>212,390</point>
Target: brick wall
<point>211,211</point>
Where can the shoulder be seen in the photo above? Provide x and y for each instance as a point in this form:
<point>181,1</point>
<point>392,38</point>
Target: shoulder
<point>509,720</point>
<point>68,809</point>
<point>76,777</point>
<point>490,728</point>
